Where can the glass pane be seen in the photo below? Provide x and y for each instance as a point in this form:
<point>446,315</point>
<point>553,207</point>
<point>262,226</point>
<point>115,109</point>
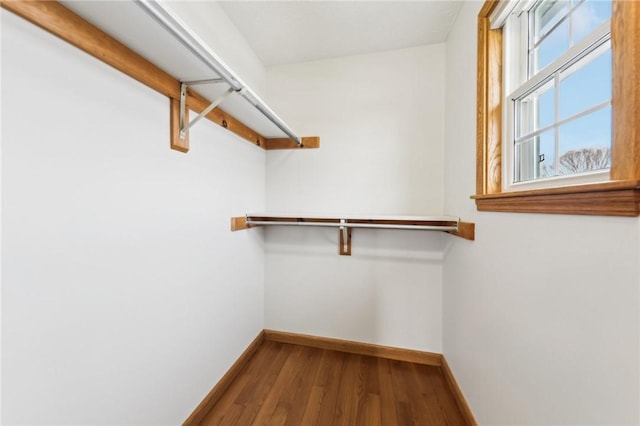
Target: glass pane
<point>525,164</point>
<point>545,108</point>
<point>536,110</point>
<point>588,16</point>
<point>534,157</point>
<point>586,84</point>
<point>549,49</point>
<point>546,154</point>
<point>585,143</point>
<point>547,14</point>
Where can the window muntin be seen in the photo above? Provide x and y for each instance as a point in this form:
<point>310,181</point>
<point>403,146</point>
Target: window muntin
<point>559,122</point>
<point>557,25</point>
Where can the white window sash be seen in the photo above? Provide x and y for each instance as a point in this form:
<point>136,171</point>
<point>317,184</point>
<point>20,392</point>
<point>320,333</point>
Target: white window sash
<point>506,8</point>
<point>516,85</point>
<point>571,56</point>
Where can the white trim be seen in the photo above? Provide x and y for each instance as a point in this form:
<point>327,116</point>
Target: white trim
<point>556,121</point>
<point>559,122</point>
<point>515,37</point>
<point>598,37</point>
<point>501,13</point>
<point>504,9</point>
<point>560,181</point>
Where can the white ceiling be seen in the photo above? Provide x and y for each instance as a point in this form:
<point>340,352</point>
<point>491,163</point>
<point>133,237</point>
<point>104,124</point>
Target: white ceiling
<point>282,32</point>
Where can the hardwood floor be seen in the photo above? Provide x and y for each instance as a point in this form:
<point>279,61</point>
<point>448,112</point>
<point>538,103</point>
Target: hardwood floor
<point>286,384</point>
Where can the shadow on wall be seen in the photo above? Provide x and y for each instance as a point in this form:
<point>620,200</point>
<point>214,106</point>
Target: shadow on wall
<point>366,244</point>
<point>387,292</point>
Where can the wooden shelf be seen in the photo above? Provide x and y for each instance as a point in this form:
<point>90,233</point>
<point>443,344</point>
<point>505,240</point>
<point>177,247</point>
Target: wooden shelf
<point>449,224</point>
<point>111,32</point>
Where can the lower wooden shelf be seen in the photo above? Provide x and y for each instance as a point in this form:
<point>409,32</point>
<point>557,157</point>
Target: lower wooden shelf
<point>449,224</point>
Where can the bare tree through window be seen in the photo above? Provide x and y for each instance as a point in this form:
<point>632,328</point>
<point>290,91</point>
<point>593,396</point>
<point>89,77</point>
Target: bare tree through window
<point>579,161</point>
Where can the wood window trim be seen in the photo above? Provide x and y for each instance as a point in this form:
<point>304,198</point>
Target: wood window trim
<point>618,197</point>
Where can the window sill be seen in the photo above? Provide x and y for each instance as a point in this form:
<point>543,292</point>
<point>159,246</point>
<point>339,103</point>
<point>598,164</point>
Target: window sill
<point>615,198</point>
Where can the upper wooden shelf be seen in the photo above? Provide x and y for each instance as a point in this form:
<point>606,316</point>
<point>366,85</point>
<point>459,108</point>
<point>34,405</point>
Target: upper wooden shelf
<point>449,224</point>
<point>147,42</point>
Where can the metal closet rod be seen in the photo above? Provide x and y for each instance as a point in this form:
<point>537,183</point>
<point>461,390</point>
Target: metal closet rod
<point>354,225</point>
<point>173,25</point>
<point>344,223</point>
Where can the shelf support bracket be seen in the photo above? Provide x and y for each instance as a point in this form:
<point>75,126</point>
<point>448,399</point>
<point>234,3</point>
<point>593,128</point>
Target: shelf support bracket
<point>180,124</point>
<point>345,238</point>
<point>183,106</point>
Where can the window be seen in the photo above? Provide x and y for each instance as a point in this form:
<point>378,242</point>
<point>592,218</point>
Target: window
<point>558,108</point>
<point>571,111</point>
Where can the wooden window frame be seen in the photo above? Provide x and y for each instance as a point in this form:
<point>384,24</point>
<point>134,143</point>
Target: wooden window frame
<point>620,196</point>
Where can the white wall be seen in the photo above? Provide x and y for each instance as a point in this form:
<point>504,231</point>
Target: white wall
<point>380,119</point>
<point>380,122</point>
<point>124,295</point>
<point>541,312</point>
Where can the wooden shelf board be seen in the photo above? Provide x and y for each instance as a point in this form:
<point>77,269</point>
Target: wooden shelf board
<point>69,26</point>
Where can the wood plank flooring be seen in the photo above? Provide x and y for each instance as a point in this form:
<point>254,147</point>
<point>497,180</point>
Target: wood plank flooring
<point>286,384</point>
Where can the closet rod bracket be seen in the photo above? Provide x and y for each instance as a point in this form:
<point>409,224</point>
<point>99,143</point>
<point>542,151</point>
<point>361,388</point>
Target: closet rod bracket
<point>345,238</point>
<point>184,126</point>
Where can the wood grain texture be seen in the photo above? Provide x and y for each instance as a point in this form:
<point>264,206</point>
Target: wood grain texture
<point>494,113</point>
<point>175,142</point>
<point>56,19</point>
<point>461,401</point>
<point>605,199</point>
<point>220,389</point>
<point>489,105</point>
<point>481,107</point>
<point>239,223</point>
<point>625,46</point>
<point>287,384</point>
<point>308,142</point>
<point>466,230</point>
<point>386,352</point>
<point>199,103</point>
<point>488,7</point>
